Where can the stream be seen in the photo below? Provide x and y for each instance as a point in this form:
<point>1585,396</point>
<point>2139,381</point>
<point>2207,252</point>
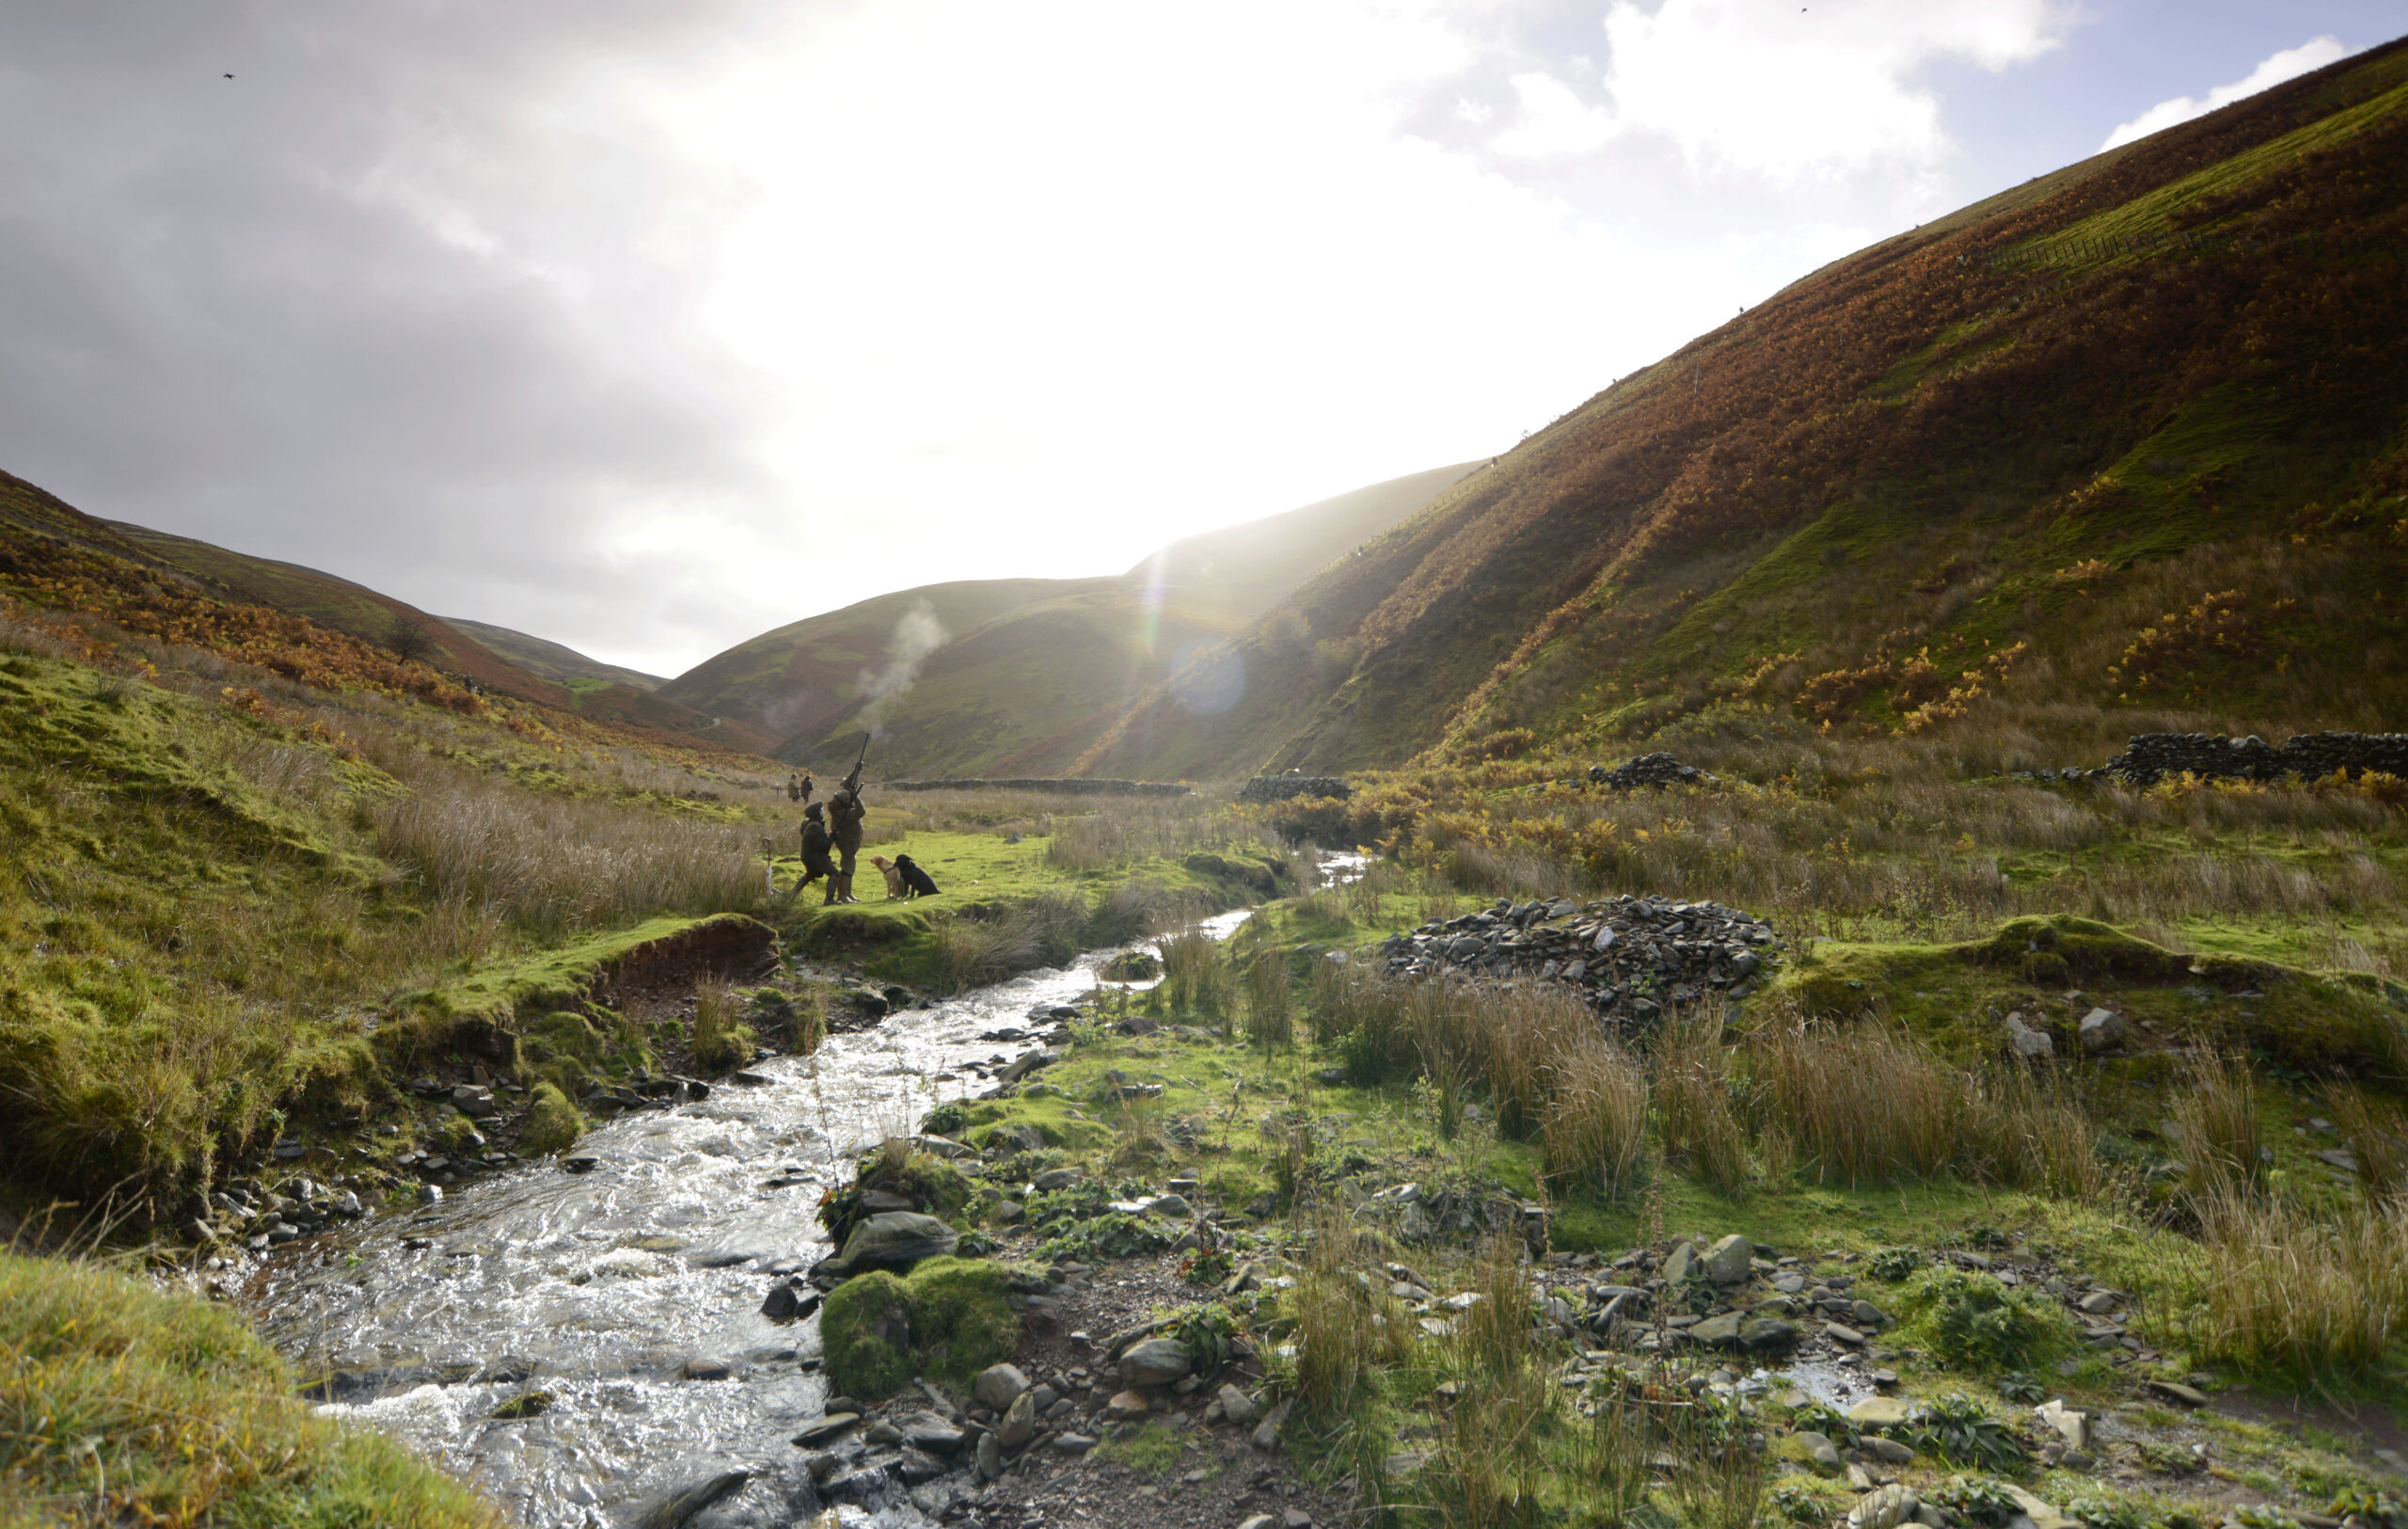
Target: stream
<point>616,1289</point>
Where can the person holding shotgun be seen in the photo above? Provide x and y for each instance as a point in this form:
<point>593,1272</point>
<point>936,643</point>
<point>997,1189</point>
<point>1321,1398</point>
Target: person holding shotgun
<point>845,814</point>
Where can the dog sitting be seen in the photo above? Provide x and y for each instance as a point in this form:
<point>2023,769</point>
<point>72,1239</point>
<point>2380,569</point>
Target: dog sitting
<point>894,874</point>
<point>917,883</point>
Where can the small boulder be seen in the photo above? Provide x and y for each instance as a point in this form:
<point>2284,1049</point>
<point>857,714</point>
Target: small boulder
<point>1238,1407</point>
<point>1820,1449</point>
<point>1127,1407</point>
<point>1728,1261</point>
<point>2027,1042</point>
<point>1888,1451</point>
<point>1019,1421</point>
<point>998,1386</point>
<point>1884,1508</point>
<point>1721,1331</point>
<point>1157,1361</point>
<point>1682,1266</point>
<point>1881,1412</point>
<point>2101,1028</point>
<point>893,1239</point>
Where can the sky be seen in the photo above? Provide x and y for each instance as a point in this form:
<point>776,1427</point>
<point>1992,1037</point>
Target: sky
<point>647,328</point>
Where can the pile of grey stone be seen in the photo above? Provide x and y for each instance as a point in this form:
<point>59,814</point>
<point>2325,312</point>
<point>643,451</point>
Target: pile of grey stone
<point>1631,955</point>
<point>1282,788</point>
<point>1649,770</point>
<point>2150,758</point>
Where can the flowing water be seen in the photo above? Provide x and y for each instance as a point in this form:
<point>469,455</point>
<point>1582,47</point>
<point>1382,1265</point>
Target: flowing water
<point>601,1288</point>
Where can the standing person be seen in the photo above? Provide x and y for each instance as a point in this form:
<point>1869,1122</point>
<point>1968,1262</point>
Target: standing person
<point>816,860</point>
<point>846,812</point>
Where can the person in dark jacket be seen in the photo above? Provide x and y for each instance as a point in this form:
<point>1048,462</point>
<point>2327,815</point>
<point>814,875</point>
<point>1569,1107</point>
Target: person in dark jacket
<point>917,883</point>
<point>845,813</point>
<point>817,862</point>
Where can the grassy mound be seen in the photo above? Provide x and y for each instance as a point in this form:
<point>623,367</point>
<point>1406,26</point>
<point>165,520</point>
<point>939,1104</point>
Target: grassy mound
<point>949,1318</point>
<point>121,1406</point>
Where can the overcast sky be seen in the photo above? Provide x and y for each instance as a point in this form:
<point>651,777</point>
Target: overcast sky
<point>647,327</point>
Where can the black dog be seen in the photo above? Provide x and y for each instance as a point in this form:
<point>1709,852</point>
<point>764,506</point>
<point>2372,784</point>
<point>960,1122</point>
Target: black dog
<point>917,883</point>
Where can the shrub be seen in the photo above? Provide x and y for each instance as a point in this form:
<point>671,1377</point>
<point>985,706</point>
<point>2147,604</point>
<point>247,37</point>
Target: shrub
<point>1975,1323</point>
<point>553,1123</point>
<point>1957,1428</point>
<point>948,1319</point>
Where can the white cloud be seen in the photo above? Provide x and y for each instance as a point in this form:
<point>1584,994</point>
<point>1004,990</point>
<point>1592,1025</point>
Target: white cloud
<point>2289,63</point>
<point>1553,121</point>
<point>1827,90</point>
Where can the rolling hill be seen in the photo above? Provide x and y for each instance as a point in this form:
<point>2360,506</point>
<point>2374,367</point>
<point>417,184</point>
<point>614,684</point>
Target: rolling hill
<point>2130,438</point>
<point>561,664</point>
<point>1025,674</point>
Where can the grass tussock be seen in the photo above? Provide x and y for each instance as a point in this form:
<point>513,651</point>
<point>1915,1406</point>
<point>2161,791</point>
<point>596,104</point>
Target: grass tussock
<point>2218,1131</point>
<point>119,1405</point>
<point>553,1123</point>
<point>2297,1290</point>
<point>720,1042</point>
<point>1695,1108</point>
<point>1198,978</point>
<point>1270,1013</point>
<point>1592,1128</point>
<point>2377,1133</point>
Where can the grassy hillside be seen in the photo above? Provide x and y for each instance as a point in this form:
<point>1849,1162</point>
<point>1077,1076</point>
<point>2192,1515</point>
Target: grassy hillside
<point>2123,447</point>
<point>794,680</point>
<point>1243,570</point>
<point>1033,670</point>
<point>561,664</point>
<point>1025,694</point>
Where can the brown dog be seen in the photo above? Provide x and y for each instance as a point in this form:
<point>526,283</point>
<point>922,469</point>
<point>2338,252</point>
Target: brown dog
<point>894,877</point>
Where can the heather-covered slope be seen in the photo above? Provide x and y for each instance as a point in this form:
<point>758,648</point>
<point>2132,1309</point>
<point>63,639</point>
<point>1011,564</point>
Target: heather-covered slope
<point>342,605</point>
<point>2141,417</point>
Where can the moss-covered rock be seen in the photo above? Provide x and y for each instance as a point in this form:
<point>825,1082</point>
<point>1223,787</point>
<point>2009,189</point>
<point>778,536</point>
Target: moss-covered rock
<point>948,1319</point>
<point>553,1123</point>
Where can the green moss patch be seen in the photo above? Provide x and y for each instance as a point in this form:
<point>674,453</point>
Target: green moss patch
<point>947,1319</point>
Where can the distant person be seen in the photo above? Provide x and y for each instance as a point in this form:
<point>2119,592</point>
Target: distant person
<point>816,861</point>
<point>845,813</point>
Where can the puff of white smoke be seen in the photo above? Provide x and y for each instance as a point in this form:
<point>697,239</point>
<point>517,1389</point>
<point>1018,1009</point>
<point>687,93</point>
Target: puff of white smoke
<point>918,634</point>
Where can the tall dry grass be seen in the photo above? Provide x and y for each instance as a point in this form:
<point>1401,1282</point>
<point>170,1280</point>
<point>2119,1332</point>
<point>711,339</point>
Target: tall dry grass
<point>1270,1010</point>
<point>1862,1105</point>
<point>2217,1129</point>
<point>2285,1287</point>
<point>1695,1108</point>
<point>1593,1127</point>
<point>1196,976</point>
<point>2377,1134</point>
<point>550,865</point>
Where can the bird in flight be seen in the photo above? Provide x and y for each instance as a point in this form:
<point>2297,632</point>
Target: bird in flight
<point>229,76</point>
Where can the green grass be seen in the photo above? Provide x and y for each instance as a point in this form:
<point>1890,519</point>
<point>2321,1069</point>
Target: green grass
<point>119,1404</point>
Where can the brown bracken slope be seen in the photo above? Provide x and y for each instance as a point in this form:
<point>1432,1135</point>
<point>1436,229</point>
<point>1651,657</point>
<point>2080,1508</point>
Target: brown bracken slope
<point>2116,415</point>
